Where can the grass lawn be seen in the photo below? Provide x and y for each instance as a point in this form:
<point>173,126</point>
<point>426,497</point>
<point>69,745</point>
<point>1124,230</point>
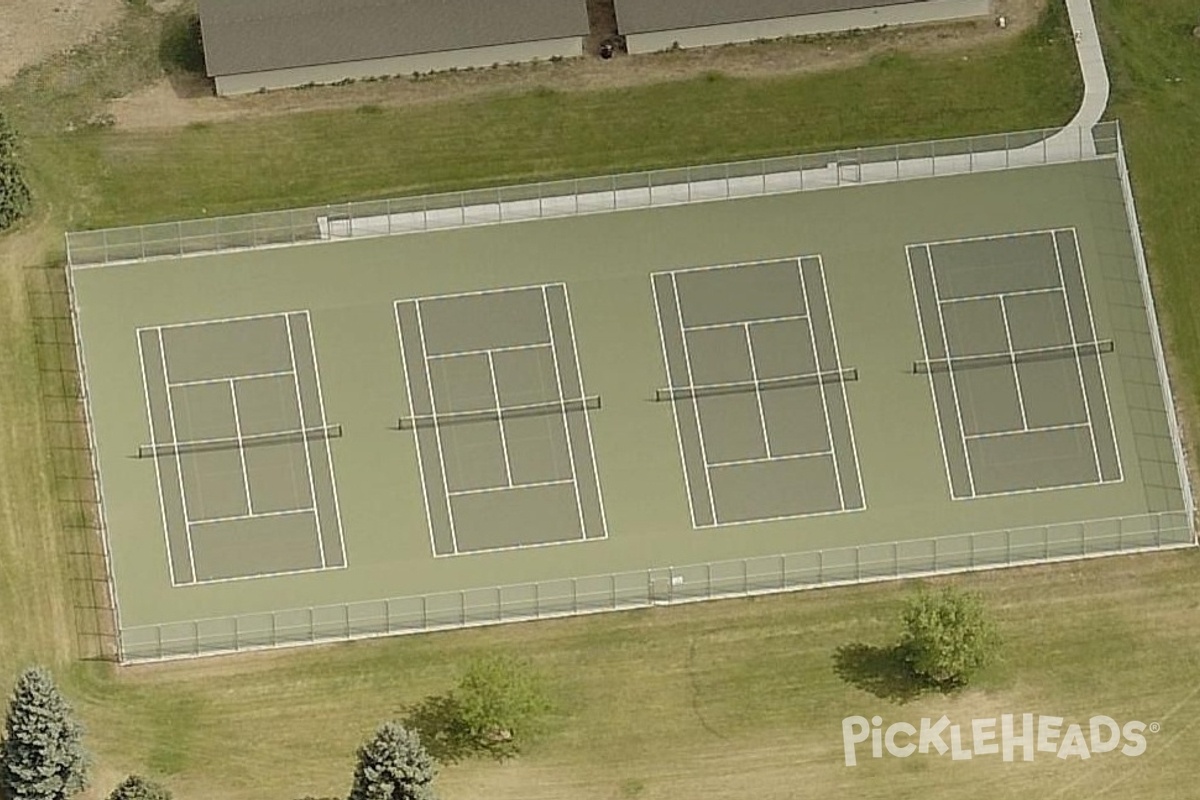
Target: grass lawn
<point>724,700</point>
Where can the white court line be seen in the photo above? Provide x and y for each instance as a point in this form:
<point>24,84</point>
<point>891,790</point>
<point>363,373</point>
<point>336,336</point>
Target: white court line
<point>738,462</point>
<point>962,429</point>
<point>562,399</point>
<point>991,237</point>
<point>510,487</point>
<point>812,337</point>
<point>687,359</point>
<point>500,419</point>
<point>249,377</point>
<point>237,427</point>
<point>925,351</point>
<point>337,510</point>
<point>535,287</point>
<point>837,357</point>
<point>243,517</point>
<point>662,340</point>
<point>488,351</point>
<point>412,410</point>
<point>1087,406</point>
<point>437,429</point>
<point>162,503</point>
<point>1016,375</point>
<point>587,417</point>
<point>217,321</point>
<point>312,487</point>
<point>999,295</point>
<point>708,326</point>
<point>162,351</point>
<point>785,260</point>
<point>1044,429</point>
<point>762,417</point>
<point>1099,361</point>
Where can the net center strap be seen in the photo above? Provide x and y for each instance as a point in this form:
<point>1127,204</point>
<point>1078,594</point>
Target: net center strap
<point>569,405</point>
<point>235,442</point>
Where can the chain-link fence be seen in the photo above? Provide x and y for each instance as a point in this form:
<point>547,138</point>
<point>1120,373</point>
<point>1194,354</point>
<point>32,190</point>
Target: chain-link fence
<point>658,586</point>
<point>862,165</point>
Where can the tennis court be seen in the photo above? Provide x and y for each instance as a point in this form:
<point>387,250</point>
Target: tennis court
<point>500,419</point>
<point>1014,363</point>
<point>758,392</point>
<point>241,448</point>
<point>611,410</point>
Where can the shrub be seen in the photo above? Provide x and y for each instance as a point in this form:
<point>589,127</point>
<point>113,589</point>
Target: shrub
<point>15,197</point>
<point>135,787</point>
<point>948,637</point>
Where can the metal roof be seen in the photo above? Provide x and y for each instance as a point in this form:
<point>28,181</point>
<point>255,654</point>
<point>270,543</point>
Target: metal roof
<point>258,35</point>
<point>645,16</point>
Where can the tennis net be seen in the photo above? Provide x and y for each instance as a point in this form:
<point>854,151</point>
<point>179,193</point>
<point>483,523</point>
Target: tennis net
<point>590,402</point>
<point>159,450</point>
<point>1015,357</point>
<point>766,384</point>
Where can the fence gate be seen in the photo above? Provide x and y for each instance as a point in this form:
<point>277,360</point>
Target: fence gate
<point>661,583</point>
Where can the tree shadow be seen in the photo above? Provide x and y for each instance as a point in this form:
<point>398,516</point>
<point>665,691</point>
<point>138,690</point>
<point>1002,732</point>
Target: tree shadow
<point>882,671</point>
<point>438,720</point>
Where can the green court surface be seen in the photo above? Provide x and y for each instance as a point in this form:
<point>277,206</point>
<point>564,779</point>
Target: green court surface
<point>520,420</point>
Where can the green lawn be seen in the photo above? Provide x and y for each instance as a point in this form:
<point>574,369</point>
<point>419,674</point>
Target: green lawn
<point>724,700</point>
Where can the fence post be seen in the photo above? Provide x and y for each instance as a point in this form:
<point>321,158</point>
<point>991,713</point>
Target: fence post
<point>745,577</point>
<point>895,559</point>
<point>970,154</point>
<point>347,608</point>
<point>196,635</point>
<point>274,634</point>
<point>820,566</point>
<point>857,564</point>
<point>537,600</point>
<point>312,625</point>
<point>158,631</point>
<point>424,612</point>
<point>971,549</point>
<point>235,634</point>
<point>762,173</point>
<point>612,584</point>
<point>687,175</point>
<point>708,579</point>
<point>499,605</point>
<point>574,595</point>
<point>1008,547</point>
<point>935,554</point>
<point>727,180</point>
<point>462,607</point>
<point>783,571</point>
<point>388,209</point>
<point>499,205</point>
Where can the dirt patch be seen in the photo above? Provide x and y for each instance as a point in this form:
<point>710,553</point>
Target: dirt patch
<point>31,30</point>
<point>181,101</point>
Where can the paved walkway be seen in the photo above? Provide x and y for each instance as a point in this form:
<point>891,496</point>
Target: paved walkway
<point>1091,64</point>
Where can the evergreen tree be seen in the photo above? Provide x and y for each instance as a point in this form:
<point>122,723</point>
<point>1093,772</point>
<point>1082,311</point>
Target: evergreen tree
<point>393,765</point>
<point>42,755</point>
<point>14,192</point>
<point>135,787</point>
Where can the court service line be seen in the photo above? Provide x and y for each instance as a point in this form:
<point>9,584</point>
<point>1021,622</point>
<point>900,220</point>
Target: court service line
<point>237,428</point>
<point>1044,429</point>
<point>762,418</point>
<point>219,320</point>
<point>337,509</point>
<point>249,377</point>
<point>738,462</point>
<point>562,399</point>
<point>1013,363</point>
<point>912,277</point>
<point>1087,406</point>
<point>412,410</point>
<point>587,417</point>
<point>162,351</point>
<point>162,503</point>
<point>837,357</point>
<point>962,429</point>
<point>437,429</point>
<point>662,340</point>
<point>500,419</point>
<point>1099,362</point>
<point>488,350</point>
<point>312,486</point>
<point>708,326</point>
<point>812,337</point>
<point>243,517</point>
<point>991,237</point>
<point>510,487</point>
<point>1000,295</point>
<point>687,360</point>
